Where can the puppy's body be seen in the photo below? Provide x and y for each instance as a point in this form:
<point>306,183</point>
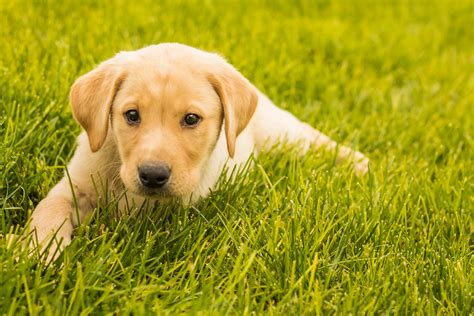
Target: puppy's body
<point>164,84</point>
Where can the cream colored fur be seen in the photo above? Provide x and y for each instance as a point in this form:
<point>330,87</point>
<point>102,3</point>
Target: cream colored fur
<point>164,82</point>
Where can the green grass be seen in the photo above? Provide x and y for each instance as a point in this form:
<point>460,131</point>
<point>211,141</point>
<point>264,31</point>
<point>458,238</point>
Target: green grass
<point>394,79</point>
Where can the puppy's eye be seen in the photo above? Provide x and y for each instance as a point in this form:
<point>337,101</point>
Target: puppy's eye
<point>191,120</point>
<point>132,117</point>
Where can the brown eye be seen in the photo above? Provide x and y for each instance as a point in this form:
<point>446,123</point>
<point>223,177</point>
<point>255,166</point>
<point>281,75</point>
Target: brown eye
<point>132,117</point>
<point>191,120</point>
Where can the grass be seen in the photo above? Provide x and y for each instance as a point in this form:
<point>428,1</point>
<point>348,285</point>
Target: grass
<point>293,235</point>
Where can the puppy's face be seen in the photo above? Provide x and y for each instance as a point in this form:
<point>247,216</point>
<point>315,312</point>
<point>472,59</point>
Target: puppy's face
<point>166,124</point>
<point>165,106</point>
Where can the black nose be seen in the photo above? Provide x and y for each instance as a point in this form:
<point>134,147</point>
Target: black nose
<point>154,176</point>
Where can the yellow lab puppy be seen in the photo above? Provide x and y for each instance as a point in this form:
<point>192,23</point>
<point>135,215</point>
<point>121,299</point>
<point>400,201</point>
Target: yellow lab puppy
<point>161,123</point>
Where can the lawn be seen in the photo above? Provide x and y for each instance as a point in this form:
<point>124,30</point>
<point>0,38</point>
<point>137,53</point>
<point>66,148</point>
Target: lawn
<point>292,235</point>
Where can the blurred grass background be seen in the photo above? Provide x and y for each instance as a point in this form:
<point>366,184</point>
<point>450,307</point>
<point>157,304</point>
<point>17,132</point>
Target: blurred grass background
<point>295,235</point>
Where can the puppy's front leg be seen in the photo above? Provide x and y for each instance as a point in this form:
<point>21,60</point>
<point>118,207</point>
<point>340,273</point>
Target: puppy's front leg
<point>54,218</point>
<point>51,222</point>
<point>272,125</point>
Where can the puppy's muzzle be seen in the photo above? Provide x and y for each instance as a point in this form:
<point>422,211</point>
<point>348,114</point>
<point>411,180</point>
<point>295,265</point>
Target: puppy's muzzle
<point>154,176</point>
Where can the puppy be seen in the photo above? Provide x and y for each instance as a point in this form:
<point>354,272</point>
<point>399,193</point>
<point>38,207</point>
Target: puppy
<point>161,123</point>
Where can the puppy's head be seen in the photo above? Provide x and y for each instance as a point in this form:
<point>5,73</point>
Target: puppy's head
<point>164,106</point>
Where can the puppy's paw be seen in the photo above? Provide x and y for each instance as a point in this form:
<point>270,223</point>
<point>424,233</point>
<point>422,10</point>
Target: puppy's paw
<point>361,164</point>
<point>48,250</point>
<point>49,246</point>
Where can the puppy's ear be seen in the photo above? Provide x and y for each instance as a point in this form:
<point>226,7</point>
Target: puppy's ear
<point>91,98</point>
<point>238,98</point>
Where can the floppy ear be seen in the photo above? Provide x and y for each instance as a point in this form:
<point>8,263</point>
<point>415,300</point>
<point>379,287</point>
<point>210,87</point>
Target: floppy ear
<point>238,98</point>
<point>91,98</point>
